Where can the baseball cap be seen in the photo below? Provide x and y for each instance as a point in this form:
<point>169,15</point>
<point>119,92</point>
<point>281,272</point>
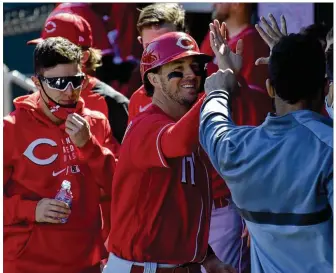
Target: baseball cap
<point>67,25</point>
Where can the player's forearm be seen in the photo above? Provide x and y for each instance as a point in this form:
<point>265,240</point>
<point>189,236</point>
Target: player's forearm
<point>181,139</point>
<point>215,122</point>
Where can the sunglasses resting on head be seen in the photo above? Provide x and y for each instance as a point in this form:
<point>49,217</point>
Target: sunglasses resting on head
<point>62,83</point>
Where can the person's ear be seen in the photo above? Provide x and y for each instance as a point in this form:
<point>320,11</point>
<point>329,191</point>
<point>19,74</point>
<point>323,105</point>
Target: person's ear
<point>85,56</point>
<point>139,39</point>
<point>270,89</point>
<point>154,79</point>
<point>36,82</point>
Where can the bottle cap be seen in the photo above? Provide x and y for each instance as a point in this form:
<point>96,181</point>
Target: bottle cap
<point>66,184</point>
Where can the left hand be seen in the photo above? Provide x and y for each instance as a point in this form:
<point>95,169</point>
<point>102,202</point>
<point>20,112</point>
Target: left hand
<point>213,265</point>
<point>225,57</point>
<point>78,129</point>
<point>221,80</point>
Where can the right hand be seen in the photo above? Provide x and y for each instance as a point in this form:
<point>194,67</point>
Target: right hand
<point>221,80</point>
<point>272,35</point>
<point>226,58</point>
<point>51,211</point>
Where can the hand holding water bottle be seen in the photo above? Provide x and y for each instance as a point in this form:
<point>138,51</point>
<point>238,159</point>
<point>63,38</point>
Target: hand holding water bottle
<point>51,211</point>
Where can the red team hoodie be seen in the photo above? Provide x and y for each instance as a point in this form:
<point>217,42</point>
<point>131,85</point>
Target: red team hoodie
<point>38,156</point>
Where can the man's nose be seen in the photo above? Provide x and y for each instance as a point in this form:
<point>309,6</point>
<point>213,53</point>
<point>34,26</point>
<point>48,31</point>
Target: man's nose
<point>69,89</point>
<point>189,73</point>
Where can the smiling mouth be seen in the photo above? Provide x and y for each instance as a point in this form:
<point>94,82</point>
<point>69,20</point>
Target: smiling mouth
<point>189,86</point>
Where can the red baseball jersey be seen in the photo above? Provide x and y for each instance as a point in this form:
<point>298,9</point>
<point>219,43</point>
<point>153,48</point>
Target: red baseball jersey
<point>161,207</point>
<point>254,48</point>
<point>139,102</point>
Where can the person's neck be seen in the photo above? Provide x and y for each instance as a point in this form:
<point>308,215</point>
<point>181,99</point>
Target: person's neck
<point>44,108</point>
<point>283,108</point>
<point>169,106</point>
<point>236,24</point>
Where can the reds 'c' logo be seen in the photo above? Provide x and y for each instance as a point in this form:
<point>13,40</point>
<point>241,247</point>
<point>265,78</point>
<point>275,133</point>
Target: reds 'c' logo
<point>185,42</point>
<point>50,27</point>
<point>29,152</point>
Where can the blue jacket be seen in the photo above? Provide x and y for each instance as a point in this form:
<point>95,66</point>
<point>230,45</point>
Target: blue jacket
<point>280,175</point>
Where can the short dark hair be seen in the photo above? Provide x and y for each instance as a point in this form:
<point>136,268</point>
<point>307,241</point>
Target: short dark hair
<point>297,68</point>
<point>317,31</point>
<point>54,51</point>
<point>161,13</point>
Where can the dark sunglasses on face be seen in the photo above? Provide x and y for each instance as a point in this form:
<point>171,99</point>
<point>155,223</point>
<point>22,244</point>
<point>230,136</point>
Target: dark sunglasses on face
<point>62,83</point>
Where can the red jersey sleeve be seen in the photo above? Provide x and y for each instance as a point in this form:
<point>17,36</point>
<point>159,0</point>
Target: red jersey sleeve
<point>156,137</point>
<point>16,209</point>
<point>182,138</point>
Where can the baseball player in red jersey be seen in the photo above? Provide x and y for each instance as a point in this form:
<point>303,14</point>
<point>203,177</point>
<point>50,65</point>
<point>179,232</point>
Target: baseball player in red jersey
<point>154,20</point>
<point>97,95</point>
<point>162,192</point>
<point>50,137</point>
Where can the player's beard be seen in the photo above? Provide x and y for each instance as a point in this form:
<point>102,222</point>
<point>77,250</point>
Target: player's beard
<point>176,96</point>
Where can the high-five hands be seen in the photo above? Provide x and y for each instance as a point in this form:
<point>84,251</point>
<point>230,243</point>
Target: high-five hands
<point>271,35</point>
<point>225,57</point>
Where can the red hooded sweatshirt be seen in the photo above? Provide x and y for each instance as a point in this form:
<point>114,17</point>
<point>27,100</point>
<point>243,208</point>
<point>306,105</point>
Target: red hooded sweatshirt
<point>38,156</point>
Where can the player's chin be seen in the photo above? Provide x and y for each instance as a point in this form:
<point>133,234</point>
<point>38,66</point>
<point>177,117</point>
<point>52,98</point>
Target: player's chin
<point>190,99</point>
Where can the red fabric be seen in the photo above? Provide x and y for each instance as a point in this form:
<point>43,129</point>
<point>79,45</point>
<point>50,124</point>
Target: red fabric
<point>72,27</point>
<point>34,247</point>
<point>185,131</point>
<point>127,32</point>
<point>163,206</point>
<point>96,102</point>
<point>126,45</point>
<point>99,34</point>
<point>138,103</point>
<point>254,48</point>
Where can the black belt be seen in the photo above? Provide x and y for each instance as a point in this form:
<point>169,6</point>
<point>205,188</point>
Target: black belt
<point>287,219</point>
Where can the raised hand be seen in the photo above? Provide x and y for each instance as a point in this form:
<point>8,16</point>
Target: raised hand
<point>225,57</point>
<point>221,80</point>
<point>78,129</point>
<point>271,35</point>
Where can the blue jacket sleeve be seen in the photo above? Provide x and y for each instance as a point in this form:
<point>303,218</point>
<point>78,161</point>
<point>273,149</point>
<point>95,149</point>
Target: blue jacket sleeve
<point>219,136</point>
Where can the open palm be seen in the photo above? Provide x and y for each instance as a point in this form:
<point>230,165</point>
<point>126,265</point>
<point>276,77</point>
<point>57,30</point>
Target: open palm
<point>224,55</point>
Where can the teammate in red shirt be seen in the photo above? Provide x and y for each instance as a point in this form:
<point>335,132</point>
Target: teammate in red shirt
<point>160,212</point>
<point>97,95</point>
<point>237,17</point>
<point>154,20</point>
<point>48,138</point>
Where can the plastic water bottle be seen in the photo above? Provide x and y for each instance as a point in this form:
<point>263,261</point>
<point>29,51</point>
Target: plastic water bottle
<point>65,195</point>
